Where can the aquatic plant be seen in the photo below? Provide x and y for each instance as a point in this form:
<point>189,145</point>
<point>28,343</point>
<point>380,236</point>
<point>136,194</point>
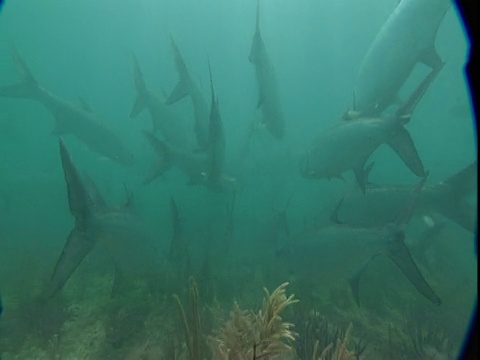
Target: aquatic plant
<point>262,335</point>
<point>336,350</point>
<point>427,338</point>
<point>322,339</point>
<point>192,332</point>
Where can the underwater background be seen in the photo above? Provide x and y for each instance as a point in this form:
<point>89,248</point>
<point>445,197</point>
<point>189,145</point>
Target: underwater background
<point>232,243</point>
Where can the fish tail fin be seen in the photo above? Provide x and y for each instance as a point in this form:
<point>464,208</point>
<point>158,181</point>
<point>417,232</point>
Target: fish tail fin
<point>400,254</point>
<point>182,88</point>
<point>28,87</point>
<point>464,182</point>
<point>142,92</point>
<point>78,244</point>
<point>77,247</point>
<point>452,194</point>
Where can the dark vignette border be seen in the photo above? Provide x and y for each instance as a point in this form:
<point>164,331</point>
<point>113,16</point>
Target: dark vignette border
<point>468,10</point>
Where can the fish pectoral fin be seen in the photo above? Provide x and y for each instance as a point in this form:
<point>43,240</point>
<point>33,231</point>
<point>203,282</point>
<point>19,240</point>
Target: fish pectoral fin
<point>431,58</point>
<point>403,145</point>
<point>401,256</point>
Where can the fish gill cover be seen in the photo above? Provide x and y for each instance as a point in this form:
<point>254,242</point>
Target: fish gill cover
<point>163,163</point>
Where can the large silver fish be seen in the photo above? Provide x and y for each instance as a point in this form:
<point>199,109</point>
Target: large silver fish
<point>79,121</point>
<point>343,251</point>
<point>118,229</point>
<point>349,143</point>
<point>407,37</point>
<point>448,198</point>
<point>268,98</point>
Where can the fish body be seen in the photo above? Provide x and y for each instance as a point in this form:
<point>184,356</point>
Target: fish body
<point>377,206</point>
<point>79,121</point>
<point>406,38</point>
<point>268,98</point>
<point>346,146</point>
